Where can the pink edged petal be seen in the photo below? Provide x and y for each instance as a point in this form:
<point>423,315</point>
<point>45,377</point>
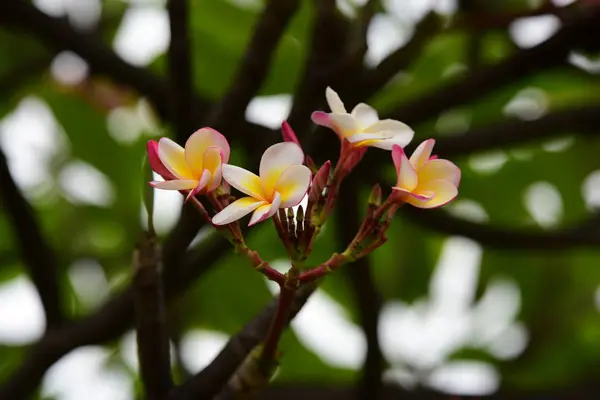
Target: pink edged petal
<point>201,185</point>
<point>236,210</point>
<point>243,180</point>
<point>333,100</point>
<point>407,177</point>
<point>155,163</point>
<point>293,185</point>
<point>359,137</point>
<point>344,124</point>
<point>394,138</point>
<point>215,179</point>
<point>266,210</point>
<point>389,125</point>
<point>365,115</point>
<point>212,158</point>
<point>177,184</point>
<point>422,153</point>
<point>199,142</point>
<point>444,192</point>
<point>321,118</point>
<point>439,169</point>
<point>172,156</point>
<point>275,160</point>
<point>418,196</point>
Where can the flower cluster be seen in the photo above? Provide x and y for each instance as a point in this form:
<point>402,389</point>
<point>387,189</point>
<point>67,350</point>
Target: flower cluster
<point>284,179</point>
<point>202,168</point>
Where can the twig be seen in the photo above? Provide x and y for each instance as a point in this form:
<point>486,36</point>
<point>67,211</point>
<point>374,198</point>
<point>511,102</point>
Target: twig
<point>207,383</point>
<point>366,295</point>
<point>553,51</point>
<point>255,64</point>
<point>33,246</point>
<point>180,71</point>
<point>151,324</point>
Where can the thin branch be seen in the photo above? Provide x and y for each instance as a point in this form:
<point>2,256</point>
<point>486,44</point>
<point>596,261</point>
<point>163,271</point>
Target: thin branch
<point>255,64</point>
<point>180,69</point>
<point>580,121</point>
<point>114,318</point>
<point>576,32</point>
<point>208,382</point>
<point>33,247</point>
<point>328,47</point>
<point>151,321</point>
<point>367,297</point>
<point>584,234</point>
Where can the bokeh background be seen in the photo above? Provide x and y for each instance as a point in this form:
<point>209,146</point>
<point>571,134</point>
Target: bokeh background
<point>497,294</point>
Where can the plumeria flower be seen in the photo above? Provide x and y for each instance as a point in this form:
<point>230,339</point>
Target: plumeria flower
<point>197,168</point>
<point>282,183</point>
<point>425,181</point>
<point>362,127</point>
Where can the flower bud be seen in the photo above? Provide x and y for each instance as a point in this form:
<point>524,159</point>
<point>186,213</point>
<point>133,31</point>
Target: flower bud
<point>288,133</point>
<point>375,196</point>
<point>319,182</point>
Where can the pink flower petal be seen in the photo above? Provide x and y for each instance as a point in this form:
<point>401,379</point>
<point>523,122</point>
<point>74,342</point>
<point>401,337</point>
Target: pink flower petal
<point>243,180</point>
<point>199,142</point>
<point>444,192</point>
<point>172,156</point>
<point>407,177</point>
<point>288,133</point>
<point>236,210</point>
<point>440,169</point>
<point>292,185</point>
<point>155,163</point>
<point>177,184</point>
<point>422,154</point>
<point>274,161</point>
<point>266,210</point>
<point>344,124</point>
<point>321,118</point>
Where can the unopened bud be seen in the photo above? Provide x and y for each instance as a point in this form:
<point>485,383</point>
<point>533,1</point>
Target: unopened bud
<point>311,165</point>
<point>319,182</point>
<point>375,196</point>
<point>288,133</point>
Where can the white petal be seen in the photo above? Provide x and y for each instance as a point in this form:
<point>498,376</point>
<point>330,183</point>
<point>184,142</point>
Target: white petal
<point>275,160</point>
<point>292,185</point>
<point>172,156</point>
<point>243,180</point>
<point>396,138</point>
<point>177,184</point>
<point>236,210</point>
<point>440,169</point>
<point>365,115</point>
<point>266,210</point>
<point>360,137</point>
<point>335,103</point>
<point>344,124</point>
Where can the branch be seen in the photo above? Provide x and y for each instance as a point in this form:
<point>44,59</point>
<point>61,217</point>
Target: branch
<point>35,250</point>
<point>151,324</point>
<point>255,64</point>
<point>367,297</point>
<point>584,234</point>
<point>114,318</point>
<point>582,121</point>
<point>180,72</point>
<point>328,47</point>
<point>208,382</point>
<point>576,32</point>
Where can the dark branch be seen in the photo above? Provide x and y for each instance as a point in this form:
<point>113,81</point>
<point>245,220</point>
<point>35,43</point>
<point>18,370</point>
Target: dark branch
<point>255,64</point>
<point>581,121</point>
<point>151,320</point>
<point>584,234</point>
<point>367,297</point>
<point>33,247</point>
<point>576,32</point>
<point>208,382</point>
<point>114,318</point>
<point>180,69</point>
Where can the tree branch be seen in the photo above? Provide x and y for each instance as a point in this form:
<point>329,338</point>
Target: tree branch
<point>367,299</point>
<point>208,382</point>
<point>587,233</point>
<point>35,251</point>
<point>576,32</point>
<point>255,64</point>
<point>151,324</point>
<point>180,70</point>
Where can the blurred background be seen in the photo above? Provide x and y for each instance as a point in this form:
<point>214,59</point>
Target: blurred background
<point>497,294</point>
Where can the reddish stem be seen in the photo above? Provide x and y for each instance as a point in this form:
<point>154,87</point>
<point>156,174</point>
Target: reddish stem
<point>334,262</point>
<point>268,354</point>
